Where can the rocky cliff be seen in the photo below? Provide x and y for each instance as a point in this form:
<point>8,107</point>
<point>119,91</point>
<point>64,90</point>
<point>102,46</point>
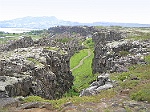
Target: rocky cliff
<point>112,53</point>
<point>82,30</point>
<point>29,70</point>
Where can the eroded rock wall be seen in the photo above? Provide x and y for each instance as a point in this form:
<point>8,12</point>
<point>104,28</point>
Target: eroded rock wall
<point>21,43</point>
<point>112,53</point>
<point>42,71</point>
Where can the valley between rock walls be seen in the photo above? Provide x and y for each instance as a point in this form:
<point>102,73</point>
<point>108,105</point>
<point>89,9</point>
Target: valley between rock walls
<point>41,68</point>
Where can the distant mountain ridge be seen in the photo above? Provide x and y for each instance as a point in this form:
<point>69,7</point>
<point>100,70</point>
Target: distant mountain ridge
<point>46,22</point>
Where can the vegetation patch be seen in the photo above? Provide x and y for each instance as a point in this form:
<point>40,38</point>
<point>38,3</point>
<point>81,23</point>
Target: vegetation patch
<point>55,49</point>
<point>4,40</point>
<point>75,99</point>
<point>123,53</point>
<point>137,80</point>
<point>77,57</point>
<point>83,75</point>
<point>51,48</point>
<point>141,36</point>
<point>88,43</point>
<point>141,92</point>
<point>63,40</point>
<point>37,63</point>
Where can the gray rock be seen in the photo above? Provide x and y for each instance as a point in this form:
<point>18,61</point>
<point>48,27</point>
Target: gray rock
<point>35,71</point>
<point>102,82</point>
<point>8,102</point>
<point>35,105</point>
<point>106,86</point>
<point>113,54</point>
<point>120,110</point>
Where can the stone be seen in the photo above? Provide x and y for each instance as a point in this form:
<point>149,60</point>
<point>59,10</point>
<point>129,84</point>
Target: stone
<point>31,105</point>
<point>35,71</point>
<point>21,43</point>
<point>106,86</point>
<point>67,104</point>
<point>9,102</point>
<point>120,110</point>
<point>102,82</point>
<point>112,53</point>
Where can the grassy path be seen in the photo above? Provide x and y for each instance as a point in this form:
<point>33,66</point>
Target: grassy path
<point>81,62</point>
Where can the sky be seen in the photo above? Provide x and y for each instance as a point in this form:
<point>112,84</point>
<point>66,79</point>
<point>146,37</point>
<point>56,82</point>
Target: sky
<point>125,11</point>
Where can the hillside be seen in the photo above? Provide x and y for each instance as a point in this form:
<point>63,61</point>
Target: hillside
<point>46,22</point>
<point>35,22</point>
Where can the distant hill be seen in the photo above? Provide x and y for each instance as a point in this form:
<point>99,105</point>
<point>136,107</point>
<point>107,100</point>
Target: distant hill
<point>46,22</point>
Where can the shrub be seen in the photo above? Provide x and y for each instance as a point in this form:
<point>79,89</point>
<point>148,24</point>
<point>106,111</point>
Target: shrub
<point>123,53</point>
<point>141,93</point>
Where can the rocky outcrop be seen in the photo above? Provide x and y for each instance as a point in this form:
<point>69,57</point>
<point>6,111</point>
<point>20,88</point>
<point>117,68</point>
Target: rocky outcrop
<point>102,82</point>
<point>42,71</point>
<point>21,43</point>
<point>82,30</point>
<point>71,46</point>
<point>113,54</point>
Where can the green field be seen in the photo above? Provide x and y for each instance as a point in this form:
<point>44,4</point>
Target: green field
<point>77,57</point>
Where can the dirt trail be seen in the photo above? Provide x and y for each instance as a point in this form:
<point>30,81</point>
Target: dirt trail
<point>81,62</point>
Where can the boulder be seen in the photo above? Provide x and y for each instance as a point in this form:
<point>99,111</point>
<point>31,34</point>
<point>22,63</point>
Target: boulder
<point>31,105</point>
<point>102,82</point>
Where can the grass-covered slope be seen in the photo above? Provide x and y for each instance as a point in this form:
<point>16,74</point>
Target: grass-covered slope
<point>136,80</point>
<point>77,57</point>
<point>83,74</point>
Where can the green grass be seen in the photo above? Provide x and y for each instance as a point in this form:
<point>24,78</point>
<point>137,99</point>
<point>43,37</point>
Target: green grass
<point>140,88</point>
<point>36,62</point>
<point>34,37</point>
<point>77,57</point>
<point>16,36</point>
<point>88,43</point>
<point>6,39</point>
<point>141,92</point>
<point>142,36</point>
<point>51,48</point>
<point>57,104</point>
<point>123,53</point>
<point>83,75</point>
<point>63,40</point>
<point>55,49</point>
<point>5,110</point>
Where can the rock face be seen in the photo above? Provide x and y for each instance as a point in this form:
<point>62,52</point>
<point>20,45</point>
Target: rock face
<point>102,82</point>
<point>70,46</point>
<point>41,70</point>
<point>21,43</point>
<point>113,54</point>
<point>82,30</point>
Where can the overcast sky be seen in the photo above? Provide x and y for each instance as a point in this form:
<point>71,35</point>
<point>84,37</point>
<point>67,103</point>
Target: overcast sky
<point>131,11</point>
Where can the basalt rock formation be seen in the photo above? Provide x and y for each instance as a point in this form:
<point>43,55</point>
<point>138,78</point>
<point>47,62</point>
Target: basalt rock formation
<point>29,70</point>
<point>82,30</point>
<point>114,54</point>
<point>21,43</point>
<point>102,82</point>
<point>70,46</point>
